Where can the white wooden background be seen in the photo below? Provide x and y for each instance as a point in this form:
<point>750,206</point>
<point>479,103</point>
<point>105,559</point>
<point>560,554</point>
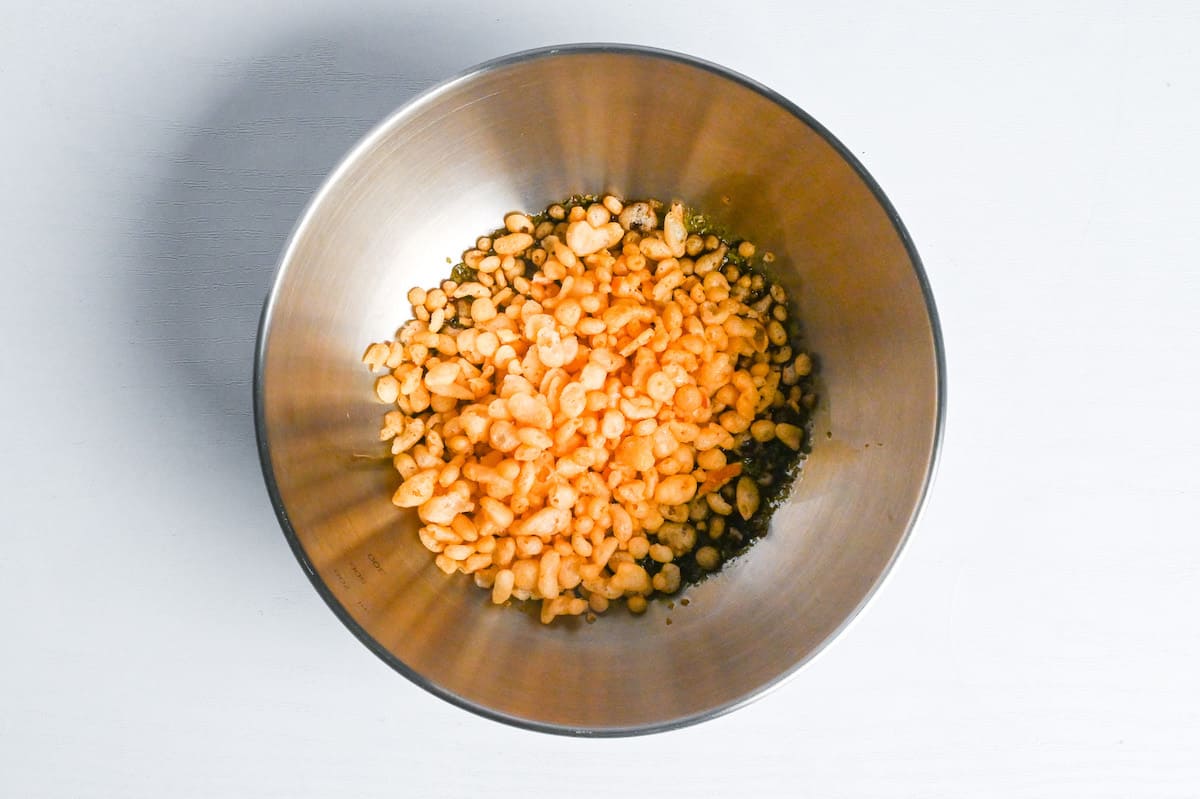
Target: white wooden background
<point>1038,639</point>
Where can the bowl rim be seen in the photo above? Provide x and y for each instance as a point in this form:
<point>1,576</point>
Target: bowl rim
<point>366,142</point>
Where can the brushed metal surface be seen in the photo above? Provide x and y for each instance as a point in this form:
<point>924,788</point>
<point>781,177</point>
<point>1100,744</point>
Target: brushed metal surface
<point>517,134</point>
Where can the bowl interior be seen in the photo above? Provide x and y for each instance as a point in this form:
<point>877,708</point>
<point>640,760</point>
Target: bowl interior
<point>519,134</point>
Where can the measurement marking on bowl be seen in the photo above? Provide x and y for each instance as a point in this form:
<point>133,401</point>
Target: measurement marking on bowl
<point>345,584</point>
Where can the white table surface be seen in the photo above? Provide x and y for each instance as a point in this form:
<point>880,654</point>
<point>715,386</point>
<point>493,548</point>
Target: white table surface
<point>1039,638</point>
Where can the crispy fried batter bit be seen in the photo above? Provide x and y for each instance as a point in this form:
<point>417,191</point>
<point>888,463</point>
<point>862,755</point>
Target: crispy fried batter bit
<point>598,405</point>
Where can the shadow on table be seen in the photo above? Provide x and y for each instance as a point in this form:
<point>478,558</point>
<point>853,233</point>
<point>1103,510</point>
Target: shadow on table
<point>214,228</point>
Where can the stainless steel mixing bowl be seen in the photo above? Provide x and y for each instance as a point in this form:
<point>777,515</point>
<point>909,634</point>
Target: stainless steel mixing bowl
<point>519,133</point>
